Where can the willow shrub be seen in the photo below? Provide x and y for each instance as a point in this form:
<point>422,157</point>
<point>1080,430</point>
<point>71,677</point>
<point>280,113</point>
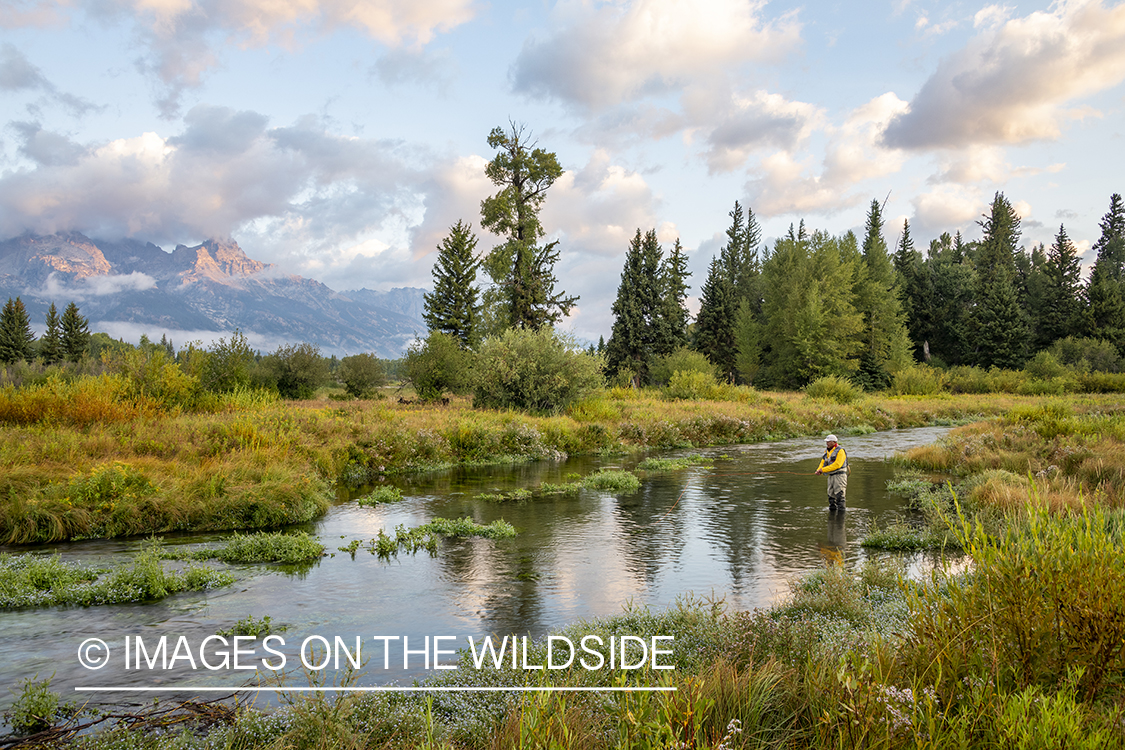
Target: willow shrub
<point>535,371</point>
<point>834,388</point>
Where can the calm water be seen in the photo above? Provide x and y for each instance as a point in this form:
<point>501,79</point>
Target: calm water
<point>738,529</point>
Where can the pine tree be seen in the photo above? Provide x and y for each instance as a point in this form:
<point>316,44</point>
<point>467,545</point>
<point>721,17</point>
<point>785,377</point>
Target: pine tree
<point>522,270</point>
<point>714,326</point>
<point>15,333</point>
<point>75,334</point>
<point>452,307</point>
<point>999,328</point>
<point>637,311</point>
<point>50,346</point>
<point>739,256</point>
<point>953,281</point>
<point>884,336</point>
<point>1061,310</point>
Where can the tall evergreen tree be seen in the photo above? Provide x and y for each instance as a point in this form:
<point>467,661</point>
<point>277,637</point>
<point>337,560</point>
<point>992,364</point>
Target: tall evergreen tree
<point>912,291</point>
<point>637,311</point>
<point>50,346</point>
<point>739,256</point>
<point>1105,292</point>
<point>75,333</point>
<point>714,329</point>
<point>674,314</point>
<point>1060,314</point>
<point>885,342</point>
<point>952,281</point>
<point>452,307</point>
<point>999,328</point>
<point>522,270</point>
<point>15,333</point>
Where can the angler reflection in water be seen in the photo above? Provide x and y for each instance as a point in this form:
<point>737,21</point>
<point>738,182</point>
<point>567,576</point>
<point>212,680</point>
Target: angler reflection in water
<point>832,550</point>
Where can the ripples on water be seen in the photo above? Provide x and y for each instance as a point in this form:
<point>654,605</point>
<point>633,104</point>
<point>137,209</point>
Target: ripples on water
<point>740,529</point>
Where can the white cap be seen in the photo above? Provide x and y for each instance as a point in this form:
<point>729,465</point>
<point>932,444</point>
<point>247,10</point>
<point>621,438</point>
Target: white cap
<point>831,439</point>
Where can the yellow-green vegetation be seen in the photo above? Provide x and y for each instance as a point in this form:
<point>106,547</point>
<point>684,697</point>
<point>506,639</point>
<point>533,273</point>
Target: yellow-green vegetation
<point>250,626</point>
<point>31,580</point>
<point>101,456</point>
<point>259,547</point>
<point>674,464</point>
<point>382,494</point>
<point>427,535</point>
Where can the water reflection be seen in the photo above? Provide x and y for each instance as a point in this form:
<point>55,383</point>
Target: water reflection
<point>740,528</point>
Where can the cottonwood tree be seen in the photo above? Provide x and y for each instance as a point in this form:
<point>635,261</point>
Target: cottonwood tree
<point>453,307</point>
<point>521,268</point>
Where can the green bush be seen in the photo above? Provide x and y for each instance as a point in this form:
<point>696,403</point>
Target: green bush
<point>1044,366</point>
<point>833,388</point>
<point>360,374</point>
<point>36,707</point>
<point>297,370</point>
<point>382,494</point>
<point>690,385</point>
<point>681,360</point>
<point>919,380</point>
<point>438,365</point>
<point>612,480</point>
<point>1090,355</point>
<point>537,371</point>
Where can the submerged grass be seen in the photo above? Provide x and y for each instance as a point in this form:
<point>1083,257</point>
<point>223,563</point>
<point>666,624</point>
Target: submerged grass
<point>45,581</point>
<point>259,547</point>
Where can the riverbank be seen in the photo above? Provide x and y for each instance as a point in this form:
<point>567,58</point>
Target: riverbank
<point>77,471</point>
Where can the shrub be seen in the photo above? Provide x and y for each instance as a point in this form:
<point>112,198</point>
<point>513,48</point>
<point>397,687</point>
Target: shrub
<point>436,365</point>
<point>297,370</point>
<point>1093,355</point>
<point>36,707</point>
<point>360,374</point>
<point>681,360</point>
<point>919,380</point>
<point>833,388</point>
<point>1044,366</point>
<point>536,371</point>
<point>227,364</point>
<point>690,385</point>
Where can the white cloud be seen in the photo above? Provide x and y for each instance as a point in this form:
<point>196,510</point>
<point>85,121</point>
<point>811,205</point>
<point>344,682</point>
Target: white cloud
<point>1012,84</point>
<point>224,172</point>
<point>95,286</point>
<point>606,53</point>
<point>992,15</point>
<point>946,209</point>
<point>759,120</point>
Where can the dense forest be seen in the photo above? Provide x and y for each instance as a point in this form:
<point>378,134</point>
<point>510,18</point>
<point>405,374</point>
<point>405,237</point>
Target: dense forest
<point>815,305</point>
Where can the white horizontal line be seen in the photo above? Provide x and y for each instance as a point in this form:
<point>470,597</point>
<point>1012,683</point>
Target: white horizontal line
<point>189,689</point>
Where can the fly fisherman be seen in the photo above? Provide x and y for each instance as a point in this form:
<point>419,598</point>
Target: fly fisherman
<point>835,465</point>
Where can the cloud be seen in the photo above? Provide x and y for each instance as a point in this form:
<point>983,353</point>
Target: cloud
<point>760,120</point>
<point>226,171</point>
<point>406,66</point>
<point>47,148</point>
<point>946,209</point>
<point>1011,84</point>
<point>181,36</point>
<point>983,164</point>
<point>17,73</point>
<point>606,53</point>
<point>96,286</point>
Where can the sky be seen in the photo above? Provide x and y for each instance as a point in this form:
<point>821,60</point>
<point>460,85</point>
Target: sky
<point>340,139</point>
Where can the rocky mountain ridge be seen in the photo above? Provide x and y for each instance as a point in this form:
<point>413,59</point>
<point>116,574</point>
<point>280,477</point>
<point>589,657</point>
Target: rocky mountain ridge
<point>128,287</point>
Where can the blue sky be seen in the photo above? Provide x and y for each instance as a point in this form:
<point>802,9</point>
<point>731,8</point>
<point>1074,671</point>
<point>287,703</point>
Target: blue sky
<point>340,139</point>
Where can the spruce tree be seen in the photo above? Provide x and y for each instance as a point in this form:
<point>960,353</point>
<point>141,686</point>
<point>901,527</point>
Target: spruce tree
<point>50,346</point>
<point>674,313</point>
<point>714,326</point>
<point>75,334</point>
<point>999,328</point>
<point>1062,303</point>
<point>452,307</point>
<point>1105,291</point>
<point>884,336</point>
<point>15,333</point>
<point>913,291</point>
<point>739,256</point>
<point>953,282</point>
<point>636,311</point>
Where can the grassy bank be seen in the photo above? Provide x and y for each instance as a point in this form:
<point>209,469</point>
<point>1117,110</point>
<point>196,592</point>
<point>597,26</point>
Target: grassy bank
<point>91,458</point>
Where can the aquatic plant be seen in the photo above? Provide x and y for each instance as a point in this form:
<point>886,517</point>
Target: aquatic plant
<point>674,464</point>
<point>36,707</point>
<point>382,494</point>
<point>259,547</point>
<point>249,626</point>
<point>612,480</point>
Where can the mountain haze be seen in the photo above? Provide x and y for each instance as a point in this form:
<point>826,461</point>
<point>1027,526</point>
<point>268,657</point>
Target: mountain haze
<point>128,287</point>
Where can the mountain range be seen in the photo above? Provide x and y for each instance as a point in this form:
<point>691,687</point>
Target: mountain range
<point>128,287</point>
